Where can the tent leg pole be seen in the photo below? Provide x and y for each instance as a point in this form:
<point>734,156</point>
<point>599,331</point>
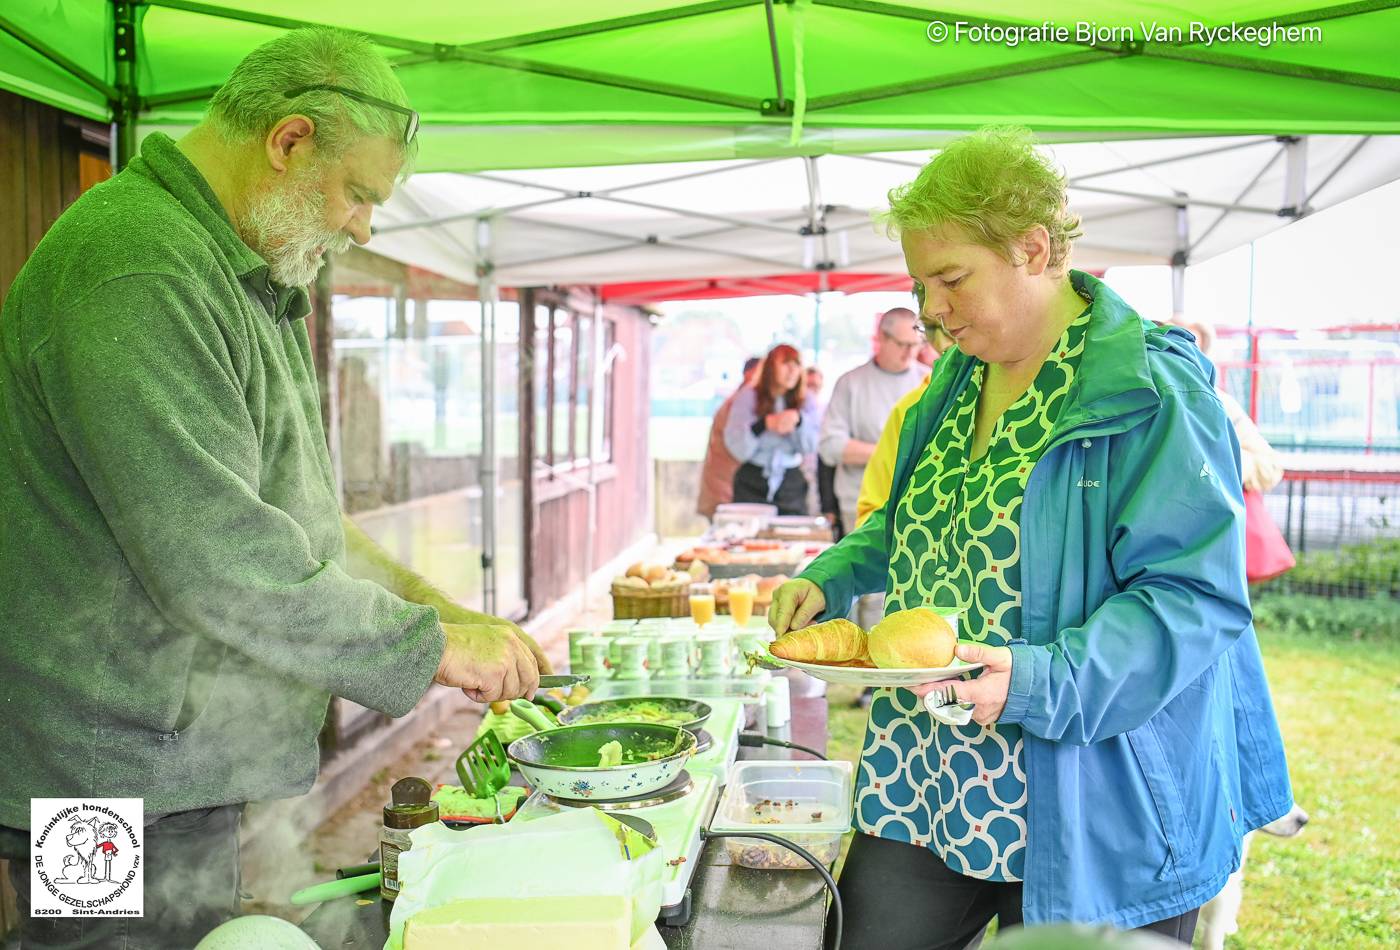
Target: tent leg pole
<point>1180,258</point>
<point>1295,186</point>
<point>487,291</point>
<point>127,103</point>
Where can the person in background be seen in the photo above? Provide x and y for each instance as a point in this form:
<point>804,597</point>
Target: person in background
<point>1260,464</point>
<point>860,404</point>
<point>879,471</point>
<point>821,496</point>
<point>771,426</point>
<point>717,471</point>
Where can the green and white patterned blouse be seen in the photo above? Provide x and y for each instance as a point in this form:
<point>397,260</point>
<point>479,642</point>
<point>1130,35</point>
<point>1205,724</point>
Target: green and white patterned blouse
<point>961,790</point>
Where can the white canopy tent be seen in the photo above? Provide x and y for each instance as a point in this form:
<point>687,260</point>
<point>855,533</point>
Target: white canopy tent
<point>1145,201</point>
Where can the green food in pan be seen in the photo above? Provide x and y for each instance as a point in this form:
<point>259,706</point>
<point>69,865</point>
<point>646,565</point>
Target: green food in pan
<point>612,754</point>
<point>640,711</point>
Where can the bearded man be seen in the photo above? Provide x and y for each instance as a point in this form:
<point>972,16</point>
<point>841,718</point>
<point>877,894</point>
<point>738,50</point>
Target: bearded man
<point>182,596</point>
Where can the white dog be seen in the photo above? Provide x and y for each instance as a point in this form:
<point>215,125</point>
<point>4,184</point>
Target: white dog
<point>1220,916</point>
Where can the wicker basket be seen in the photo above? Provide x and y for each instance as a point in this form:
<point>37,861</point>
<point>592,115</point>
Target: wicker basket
<point>636,603</point>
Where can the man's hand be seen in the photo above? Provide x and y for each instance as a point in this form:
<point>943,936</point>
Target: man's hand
<point>451,613</point>
<point>795,605</point>
<point>987,692</point>
<point>487,662</point>
<point>541,660</point>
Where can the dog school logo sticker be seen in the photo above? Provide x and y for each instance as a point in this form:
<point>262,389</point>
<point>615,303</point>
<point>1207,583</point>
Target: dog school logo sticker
<point>86,857</point>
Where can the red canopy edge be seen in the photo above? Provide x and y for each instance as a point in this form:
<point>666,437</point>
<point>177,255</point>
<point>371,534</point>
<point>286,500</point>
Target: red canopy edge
<point>705,288</point>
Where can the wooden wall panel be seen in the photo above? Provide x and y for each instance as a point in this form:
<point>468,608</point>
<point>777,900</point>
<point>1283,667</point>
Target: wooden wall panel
<point>44,166</point>
<point>559,523</point>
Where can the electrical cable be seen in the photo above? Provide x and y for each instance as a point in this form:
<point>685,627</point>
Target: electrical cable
<point>827,879</point>
<point>756,739</point>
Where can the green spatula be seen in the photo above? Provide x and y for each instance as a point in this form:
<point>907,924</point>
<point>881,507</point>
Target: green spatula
<point>484,769</point>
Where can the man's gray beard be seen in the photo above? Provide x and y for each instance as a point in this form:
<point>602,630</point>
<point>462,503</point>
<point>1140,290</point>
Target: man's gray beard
<point>284,227</point>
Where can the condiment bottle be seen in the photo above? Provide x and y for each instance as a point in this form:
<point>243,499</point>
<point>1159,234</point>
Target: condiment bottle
<point>412,806</point>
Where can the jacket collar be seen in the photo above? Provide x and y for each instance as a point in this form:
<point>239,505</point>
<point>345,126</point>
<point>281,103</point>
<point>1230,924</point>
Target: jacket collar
<point>1112,387</point>
<point>161,161</point>
<point>1113,378</point>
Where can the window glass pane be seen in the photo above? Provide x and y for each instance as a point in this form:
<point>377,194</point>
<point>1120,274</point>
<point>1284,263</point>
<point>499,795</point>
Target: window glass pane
<point>583,386</point>
<point>510,565</point>
<point>609,338</point>
<point>541,382</point>
<point>563,385</point>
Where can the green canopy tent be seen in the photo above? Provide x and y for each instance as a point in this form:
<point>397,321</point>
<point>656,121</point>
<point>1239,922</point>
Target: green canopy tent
<point>542,83</point>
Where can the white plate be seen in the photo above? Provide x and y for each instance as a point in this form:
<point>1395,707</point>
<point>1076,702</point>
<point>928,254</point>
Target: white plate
<point>857,676</point>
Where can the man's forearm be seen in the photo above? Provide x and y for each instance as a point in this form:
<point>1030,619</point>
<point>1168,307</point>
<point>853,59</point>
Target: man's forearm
<point>857,452</point>
<point>368,561</point>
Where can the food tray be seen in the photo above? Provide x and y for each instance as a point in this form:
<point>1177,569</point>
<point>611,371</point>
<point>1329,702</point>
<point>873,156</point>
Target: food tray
<point>807,803</point>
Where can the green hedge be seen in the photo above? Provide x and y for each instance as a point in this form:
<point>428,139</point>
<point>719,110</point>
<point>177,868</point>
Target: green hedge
<point>1373,618</point>
<point>1356,570</point>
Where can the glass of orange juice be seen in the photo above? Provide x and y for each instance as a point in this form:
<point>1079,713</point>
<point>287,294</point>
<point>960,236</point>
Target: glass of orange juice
<point>741,597</point>
<point>702,603</point>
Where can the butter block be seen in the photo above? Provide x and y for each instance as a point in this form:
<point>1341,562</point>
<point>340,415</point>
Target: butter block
<point>579,923</point>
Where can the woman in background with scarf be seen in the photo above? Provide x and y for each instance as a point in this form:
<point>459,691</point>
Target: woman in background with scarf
<point>771,427</point>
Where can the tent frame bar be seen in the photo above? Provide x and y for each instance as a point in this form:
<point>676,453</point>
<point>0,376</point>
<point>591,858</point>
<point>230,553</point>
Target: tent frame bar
<point>607,26</point>
<point>1171,201</point>
<point>657,241</point>
<point>286,23</point>
<point>1346,159</point>
<point>605,192</point>
<point>484,54</point>
<point>699,215</point>
<point>57,58</point>
<point>1320,14</point>
<point>687,176</point>
<point>439,52</point>
<point>1243,191</point>
<point>1185,156</point>
<point>632,244</point>
<point>594,77</point>
<point>469,215</point>
<point>1339,77</point>
<point>780,103</point>
<point>126,104</point>
<point>1180,52</point>
<point>985,74</point>
<point>178,96</point>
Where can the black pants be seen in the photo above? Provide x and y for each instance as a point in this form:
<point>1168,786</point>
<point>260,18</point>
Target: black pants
<point>898,896</point>
<point>190,887</point>
<point>751,486</point>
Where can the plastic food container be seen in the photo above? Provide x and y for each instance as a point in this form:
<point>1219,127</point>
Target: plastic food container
<point>807,803</point>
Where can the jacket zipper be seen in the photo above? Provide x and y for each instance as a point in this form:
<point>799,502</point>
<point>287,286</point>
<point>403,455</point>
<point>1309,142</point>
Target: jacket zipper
<point>1087,431</point>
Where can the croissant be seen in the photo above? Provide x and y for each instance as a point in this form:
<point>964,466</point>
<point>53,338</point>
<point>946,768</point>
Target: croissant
<point>836,641</point>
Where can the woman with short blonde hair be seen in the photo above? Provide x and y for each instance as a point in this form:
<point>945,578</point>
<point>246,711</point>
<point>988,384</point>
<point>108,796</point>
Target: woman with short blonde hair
<point>1068,485</point>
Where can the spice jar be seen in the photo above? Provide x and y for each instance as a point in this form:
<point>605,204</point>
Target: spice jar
<point>411,806</point>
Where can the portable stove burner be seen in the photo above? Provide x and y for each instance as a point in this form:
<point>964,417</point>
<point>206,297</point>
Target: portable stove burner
<point>679,787</point>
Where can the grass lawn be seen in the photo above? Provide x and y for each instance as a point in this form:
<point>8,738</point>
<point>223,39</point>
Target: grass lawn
<point>1337,884</point>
